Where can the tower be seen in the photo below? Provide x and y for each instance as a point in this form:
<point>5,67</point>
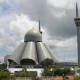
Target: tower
<point>40,27</point>
<point>77,22</point>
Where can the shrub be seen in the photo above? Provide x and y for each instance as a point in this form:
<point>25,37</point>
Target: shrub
<point>60,72</point>
<point>47,72</point>
<point>24,72</point>
<point>36,78</point>
<point>6,76</point>
<point>77,78</point>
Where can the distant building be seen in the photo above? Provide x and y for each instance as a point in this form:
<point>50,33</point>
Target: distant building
<point>6,60</point>
<point>67,64</point>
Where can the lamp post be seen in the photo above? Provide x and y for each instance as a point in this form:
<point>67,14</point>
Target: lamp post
<point>63,76</point>
<point>73,69</point>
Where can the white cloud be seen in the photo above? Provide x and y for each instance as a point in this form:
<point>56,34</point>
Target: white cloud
<point>1,44</point>
<point>61,3</point>
<point>60,43</point>
<point>2,59</point>
<point>69,60</point>
<point>9,49</point>
<point>60,14</point>
<point>22,24</point>
<point>61,47</point>
<point>2,1</point>
<point>65,43</point>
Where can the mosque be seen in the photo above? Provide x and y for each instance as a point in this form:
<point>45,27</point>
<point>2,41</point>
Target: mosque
<point>32,51</point>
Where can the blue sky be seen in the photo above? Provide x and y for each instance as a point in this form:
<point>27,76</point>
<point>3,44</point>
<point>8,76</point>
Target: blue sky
<point>57,22</point>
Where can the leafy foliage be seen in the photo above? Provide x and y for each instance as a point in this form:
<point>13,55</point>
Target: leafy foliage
<point>47,62</point>
<point>78,71</point>
<point>3,67</point>
<point>47,72</point>
<point>24,72</point>
<point>60,72</point>
<point>36,78</point>
<point>5,75</point>
<point>77,78</point>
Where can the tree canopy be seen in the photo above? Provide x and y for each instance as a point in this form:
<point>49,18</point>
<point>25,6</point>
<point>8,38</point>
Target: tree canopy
<point>47,62</point>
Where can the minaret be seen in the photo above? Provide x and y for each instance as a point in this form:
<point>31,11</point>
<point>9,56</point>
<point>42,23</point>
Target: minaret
<point>40,27</point>
<point>76,10</point>
<point>77,22</point>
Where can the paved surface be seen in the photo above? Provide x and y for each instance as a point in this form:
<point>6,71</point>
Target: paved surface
<point>71,77</point>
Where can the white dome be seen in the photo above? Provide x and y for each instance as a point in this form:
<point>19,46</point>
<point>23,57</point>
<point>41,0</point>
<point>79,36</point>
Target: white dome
<point>33,35</point>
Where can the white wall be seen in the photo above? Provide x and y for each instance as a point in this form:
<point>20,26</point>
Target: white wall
<point>39,71</point>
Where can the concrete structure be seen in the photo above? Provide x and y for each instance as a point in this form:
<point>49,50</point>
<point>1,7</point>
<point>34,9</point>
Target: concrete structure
<point>71,65</point>
<point>31,52</point>
<point>77,22</point>
<point>38,70</point>
<point>6,60</point>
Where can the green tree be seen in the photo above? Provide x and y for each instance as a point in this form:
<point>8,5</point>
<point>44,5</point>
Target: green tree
<point>5,75</point>
<point>47,71</point>
<point>78,71</point>
<point>47,62</point>
<point>3,67</point>
<point>24,72</point>
<point>66,71</point>
<point>60,72</point>
<point>77,78</point>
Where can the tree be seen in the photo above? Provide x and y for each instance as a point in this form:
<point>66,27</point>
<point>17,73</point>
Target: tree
<point>3,67</point>
<point>67,71</point>
<point>47,62</point>
<point>5,75</point>
<point>24,72</point>
<point>77,78</point>
<point>78,71</point>
<point>47,71</point>
<point>60,72</point>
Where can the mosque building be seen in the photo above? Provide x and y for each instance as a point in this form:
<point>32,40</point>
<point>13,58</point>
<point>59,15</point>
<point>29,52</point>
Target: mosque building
<point>31,52</point>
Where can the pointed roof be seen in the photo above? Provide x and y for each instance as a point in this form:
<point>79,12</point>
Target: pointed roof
<point>77,10</point>
<point>39,26</point>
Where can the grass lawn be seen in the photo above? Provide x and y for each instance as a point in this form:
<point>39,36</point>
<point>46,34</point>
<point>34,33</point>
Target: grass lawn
<point>23,78</point>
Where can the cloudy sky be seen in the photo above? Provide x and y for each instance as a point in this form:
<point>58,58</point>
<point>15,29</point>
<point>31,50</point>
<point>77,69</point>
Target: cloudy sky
<point>57,22</point>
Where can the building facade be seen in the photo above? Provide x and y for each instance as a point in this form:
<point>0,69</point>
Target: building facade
<point>32,52</point>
